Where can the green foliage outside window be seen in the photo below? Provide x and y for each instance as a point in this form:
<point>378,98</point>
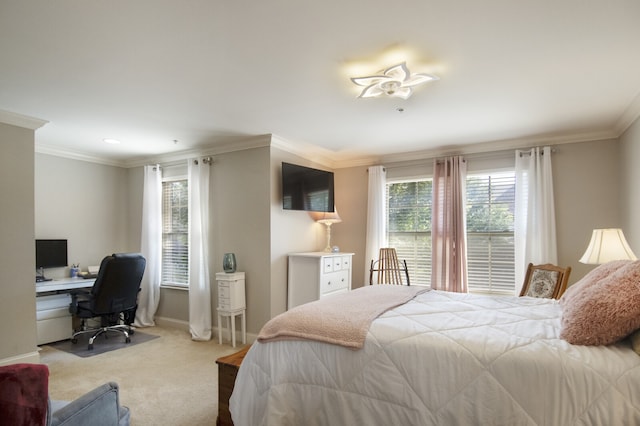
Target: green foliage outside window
<point>490,222</point>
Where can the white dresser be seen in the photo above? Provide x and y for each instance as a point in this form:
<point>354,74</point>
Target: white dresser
<point>317,274</point>
<point>231,303</point>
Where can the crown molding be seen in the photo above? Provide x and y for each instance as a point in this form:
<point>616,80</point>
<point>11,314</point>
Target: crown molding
<point>629,116</point>
<point>478,148</point>
<point>19,120</point>
<point>330,159</point>
<point>173,157</point>
<point>240,144</point>
<point>75,155</point>
<point>308,151</point>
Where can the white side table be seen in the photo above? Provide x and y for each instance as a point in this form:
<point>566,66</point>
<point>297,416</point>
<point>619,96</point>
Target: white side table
<point>231,303</point>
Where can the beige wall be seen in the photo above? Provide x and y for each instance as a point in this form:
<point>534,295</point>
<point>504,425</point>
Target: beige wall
<point>85,203</point>
<point>586,196</point>
<point>248,219</point>
<point>585,191</point>
<point>291,232</point>
<point>240,224</point>
<point>17,274</point>
<point>241,197</point>
<point>351,201</point>
<point>630,184</point>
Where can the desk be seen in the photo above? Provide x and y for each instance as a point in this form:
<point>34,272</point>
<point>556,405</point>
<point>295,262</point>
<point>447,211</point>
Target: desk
<point>52,308</point>
<point>64,284</point>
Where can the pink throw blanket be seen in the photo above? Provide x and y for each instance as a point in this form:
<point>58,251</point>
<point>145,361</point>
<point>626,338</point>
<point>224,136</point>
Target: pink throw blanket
<point>343,319</point>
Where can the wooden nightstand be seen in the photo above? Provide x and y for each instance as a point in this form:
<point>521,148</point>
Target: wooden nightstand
<point>227,370</point>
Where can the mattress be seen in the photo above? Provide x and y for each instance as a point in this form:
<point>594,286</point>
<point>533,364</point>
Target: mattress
<point>443,359</point>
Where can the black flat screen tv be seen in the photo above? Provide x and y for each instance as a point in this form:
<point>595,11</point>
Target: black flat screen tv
<point>51,254</point>
<point>304,188</point>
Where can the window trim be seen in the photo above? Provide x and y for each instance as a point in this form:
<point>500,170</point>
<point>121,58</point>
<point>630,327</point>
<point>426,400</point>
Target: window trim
<point>173,285</point>
<point>470,174</point>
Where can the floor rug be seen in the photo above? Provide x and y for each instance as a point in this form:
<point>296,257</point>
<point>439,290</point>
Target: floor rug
<point>102,344</point>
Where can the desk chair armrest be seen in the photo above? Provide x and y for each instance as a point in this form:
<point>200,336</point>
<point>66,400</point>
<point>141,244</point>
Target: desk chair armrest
<point>99,406</point>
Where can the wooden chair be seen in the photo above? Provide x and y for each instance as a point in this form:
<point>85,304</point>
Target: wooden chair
<point>547,280</point>
<point>388,270</point>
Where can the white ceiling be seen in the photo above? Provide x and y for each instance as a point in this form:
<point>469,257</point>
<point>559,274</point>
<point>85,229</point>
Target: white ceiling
<point>207,72</point>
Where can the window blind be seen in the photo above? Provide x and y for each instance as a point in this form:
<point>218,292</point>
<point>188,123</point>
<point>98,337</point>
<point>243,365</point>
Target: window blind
<point>490,221</point>
<point>490,240</point>
<point>175,232</point>
<point>409,226</point>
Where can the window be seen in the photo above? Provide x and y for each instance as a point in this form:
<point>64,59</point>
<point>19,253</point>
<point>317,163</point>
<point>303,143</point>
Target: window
<point>490,221</point>
<point>175,232</point>
<point>490,240</point>
<point>409,226</point>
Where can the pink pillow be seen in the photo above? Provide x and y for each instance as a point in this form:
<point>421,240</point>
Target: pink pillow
<point>592,278</point>
<point>604,311</point>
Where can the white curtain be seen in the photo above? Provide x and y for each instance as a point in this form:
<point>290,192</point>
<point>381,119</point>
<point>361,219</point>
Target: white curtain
<point>376,221</point>
<point>199,283</point>
<point>535,220</point>
<point>448,226</point>
<point>150,246</point>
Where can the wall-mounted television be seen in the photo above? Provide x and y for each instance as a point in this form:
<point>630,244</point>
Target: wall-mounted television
<point>51,254</point>
<point>304,188</point>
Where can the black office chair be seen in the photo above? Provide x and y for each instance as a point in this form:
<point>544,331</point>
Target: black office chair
<point>113,297</point>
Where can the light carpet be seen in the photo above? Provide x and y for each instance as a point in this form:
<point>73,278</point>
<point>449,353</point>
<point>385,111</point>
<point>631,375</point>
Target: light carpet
<point>171,380</point>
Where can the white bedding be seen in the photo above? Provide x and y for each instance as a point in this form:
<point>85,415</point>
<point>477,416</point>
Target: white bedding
<point>443,359</point>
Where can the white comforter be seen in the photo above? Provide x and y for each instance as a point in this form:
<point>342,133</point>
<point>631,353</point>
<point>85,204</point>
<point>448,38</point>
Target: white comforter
<point>443,359</point>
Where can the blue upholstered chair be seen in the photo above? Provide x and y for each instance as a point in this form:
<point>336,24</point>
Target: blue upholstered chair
<point>24,401</point>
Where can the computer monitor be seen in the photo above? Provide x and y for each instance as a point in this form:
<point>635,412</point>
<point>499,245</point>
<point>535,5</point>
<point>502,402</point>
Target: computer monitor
<point>51,254</point>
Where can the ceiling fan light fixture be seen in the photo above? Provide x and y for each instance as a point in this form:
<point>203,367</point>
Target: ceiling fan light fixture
<point>396,81</point>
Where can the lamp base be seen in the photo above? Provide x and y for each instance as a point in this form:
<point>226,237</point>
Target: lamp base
<point>328,247</point>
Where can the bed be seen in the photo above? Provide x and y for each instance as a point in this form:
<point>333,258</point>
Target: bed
<point>443,359</point>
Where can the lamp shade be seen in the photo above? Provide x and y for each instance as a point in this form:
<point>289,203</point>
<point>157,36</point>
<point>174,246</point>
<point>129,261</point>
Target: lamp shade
<point>607,245</point>
<point>326,217</point>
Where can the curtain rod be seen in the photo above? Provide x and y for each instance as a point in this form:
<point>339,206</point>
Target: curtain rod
<point>528,152</point>
<point>205,160</point>
<point>503,153</point>
<point>384,169</point>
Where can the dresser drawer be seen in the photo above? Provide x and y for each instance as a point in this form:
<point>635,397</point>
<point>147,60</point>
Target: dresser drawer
<point>337,263</point>
<point>327,265</point>
<point>231,292</point>
<point>224,303</point>
<point>223,291</point>
<point>335,281</point>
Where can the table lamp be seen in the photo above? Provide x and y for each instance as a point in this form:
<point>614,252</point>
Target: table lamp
<point>328,218</point>
<point>607,245</point>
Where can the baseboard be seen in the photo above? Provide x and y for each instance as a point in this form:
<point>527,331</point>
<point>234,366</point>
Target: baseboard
<point>173,323</point>
<point>184,326</point>
<point>28,358</point>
